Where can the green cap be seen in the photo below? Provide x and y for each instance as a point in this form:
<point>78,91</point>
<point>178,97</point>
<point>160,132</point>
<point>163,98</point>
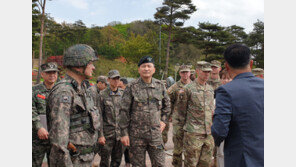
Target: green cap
<point>113,74</point>
<point>102,79</point>
<point>216,63</point>
<point>204,66</point>
<point>184,68</point>
<point>258,71</point>
<point>51,66</point>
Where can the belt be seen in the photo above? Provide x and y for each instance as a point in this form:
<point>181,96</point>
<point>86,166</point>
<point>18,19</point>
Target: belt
<point>82,150</point>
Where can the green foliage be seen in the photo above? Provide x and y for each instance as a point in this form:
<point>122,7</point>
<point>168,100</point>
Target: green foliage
<point>103,66</point>
<point>136,47</point>
<point>109,52</point>
<point>256,42</point>
<point>122,29</point>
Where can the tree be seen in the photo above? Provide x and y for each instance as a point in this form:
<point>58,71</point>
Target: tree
<point>136,47</point>
<point>41,6</point>
<point>170,14</point>
<point>256,43</point>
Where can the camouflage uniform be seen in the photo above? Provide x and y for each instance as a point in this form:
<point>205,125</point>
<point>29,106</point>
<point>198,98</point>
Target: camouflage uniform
<point>168,82</point>
<point>73,119</point>
<point>39,95</point>
<point>110,105</point>
<point>176,94</point>
<point>39,147</point>
<point>143,106</point>
<point>215,83</point>
<point>198,141</point>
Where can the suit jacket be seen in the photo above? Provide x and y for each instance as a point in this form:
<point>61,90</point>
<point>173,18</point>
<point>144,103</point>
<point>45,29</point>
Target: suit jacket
<point>239,120</point>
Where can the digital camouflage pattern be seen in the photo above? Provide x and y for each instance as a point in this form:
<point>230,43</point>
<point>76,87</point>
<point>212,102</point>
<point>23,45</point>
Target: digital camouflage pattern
<point>72,118</point>
<point>258,71</point>
<point>110,105</point>
<point>39,147</point>
<point>176,94</point>
<point>215,83</point>
<point>143,106</point>
<point>79,55</point>
<point>95,94</point>
<point>199,103</point>
<point>216,63</point>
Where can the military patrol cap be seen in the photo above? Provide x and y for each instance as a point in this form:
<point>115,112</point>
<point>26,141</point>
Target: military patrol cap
<point>216,63</point>
<point>51,66</point>
<point>258,71</point>
<point>184,68</point>
<point>145,59</point>
<point>192,71</point>
<point>204,66</point>
<point>102,79</point>
<point>113,74</point>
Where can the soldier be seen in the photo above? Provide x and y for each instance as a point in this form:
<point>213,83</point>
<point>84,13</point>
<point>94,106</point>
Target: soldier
<point>109,135</point>
<point>214,80</point>
<point>192,75</point>
<point>123,83</point>
<point>73,118</point>
<point>40,144</point>
<point>101,85</point>
<point>144,112</point>
<point>258,72</point>
<point>168,82</point>
<point>199,105</point>
<point>176,94</point>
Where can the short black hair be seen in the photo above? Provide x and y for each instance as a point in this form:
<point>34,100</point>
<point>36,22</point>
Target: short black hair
<point>124,81</point>
<point>237,56</point>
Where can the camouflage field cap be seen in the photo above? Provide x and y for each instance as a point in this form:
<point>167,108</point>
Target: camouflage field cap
<point>102,79</point>
<point>79,55</point>
<point>216,63</point>
<point>204,66</point>
<point>192,71</point>
<point>51,66</point>
<point>184,68</point>
<point>113,74</point>
<point>258,71</point>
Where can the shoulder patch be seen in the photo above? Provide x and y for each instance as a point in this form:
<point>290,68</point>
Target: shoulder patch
<point>65,99</point>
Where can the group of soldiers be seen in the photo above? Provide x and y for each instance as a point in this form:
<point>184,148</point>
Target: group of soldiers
<point>72,120</point>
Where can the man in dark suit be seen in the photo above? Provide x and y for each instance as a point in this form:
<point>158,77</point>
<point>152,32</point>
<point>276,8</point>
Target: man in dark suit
<point>239,113</point>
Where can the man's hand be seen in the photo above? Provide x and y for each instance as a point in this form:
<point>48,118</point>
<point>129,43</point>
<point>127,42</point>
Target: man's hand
<point>162,126</point>
<point>102,140</point>
<point>125,141</point>
<point>42,134</point>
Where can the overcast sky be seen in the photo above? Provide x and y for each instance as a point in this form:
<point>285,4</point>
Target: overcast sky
<point>101,12</point>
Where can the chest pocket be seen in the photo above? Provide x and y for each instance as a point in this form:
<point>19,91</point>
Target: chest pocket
<point>198,99</point>
<point>158,100</point>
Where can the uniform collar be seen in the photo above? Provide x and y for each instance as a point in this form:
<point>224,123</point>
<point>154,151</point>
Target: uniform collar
<point>151,85</point>
<point>111,93</point>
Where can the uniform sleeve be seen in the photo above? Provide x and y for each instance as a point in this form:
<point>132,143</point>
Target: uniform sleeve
<point>166,106</point>
<point>60,107</point>
<point>35,117</point>
<point>183,104</point>
<point>222,116</point>
<point>172,95</point>
<point>124,112</point>
<point>102,110</point>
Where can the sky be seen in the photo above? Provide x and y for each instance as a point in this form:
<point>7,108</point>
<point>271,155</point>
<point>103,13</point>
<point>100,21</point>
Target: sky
<point>243,13</point>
